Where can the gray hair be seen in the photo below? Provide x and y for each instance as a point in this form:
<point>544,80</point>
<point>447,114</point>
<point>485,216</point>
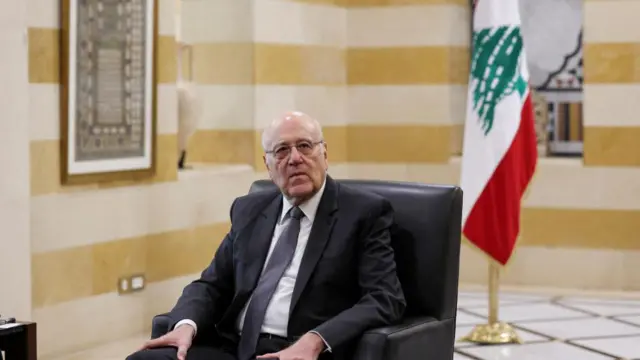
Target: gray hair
<point>268,132</point>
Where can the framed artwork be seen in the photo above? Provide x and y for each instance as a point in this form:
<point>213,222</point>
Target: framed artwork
<point>108,90</point>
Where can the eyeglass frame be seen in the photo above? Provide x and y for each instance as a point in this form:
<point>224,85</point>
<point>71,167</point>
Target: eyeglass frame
<point>289,146</point>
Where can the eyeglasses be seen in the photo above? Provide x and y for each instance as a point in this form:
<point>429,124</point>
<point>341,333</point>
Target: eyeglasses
<point>305,148</point>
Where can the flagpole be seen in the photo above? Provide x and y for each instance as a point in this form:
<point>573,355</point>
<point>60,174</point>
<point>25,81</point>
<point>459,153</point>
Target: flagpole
<point>494,279</point>
<point>495,332</point>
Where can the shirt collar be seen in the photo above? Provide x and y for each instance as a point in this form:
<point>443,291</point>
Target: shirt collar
<point>309,207</point>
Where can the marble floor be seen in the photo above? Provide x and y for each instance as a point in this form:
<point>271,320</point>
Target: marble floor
<point>552,327</point>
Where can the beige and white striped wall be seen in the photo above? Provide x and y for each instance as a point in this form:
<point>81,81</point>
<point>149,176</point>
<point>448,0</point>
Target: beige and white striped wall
<point>253,60</point>
<point>219,61</point>
<point>15,246</point>
<point>407,73</point>
<point>363,72</point>
<point>84,237</point>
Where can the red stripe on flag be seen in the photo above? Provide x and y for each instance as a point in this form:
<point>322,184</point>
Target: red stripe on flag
<point>494,221</point>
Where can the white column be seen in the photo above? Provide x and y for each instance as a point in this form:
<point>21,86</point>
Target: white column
<point>15,242</point>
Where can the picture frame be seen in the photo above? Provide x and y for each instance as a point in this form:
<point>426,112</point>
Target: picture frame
<point>108,90</point>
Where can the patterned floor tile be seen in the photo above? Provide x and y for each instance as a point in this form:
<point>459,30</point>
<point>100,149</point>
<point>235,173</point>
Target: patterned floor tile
<point>531,312</point>
<point>621,347</point>
<point>474,302</point>
<point>539,351</point>
<point>604,309</point>
<point>457,356</point>
<point>581,328</point>
<point>463,318</point>
<point>599,301</point>
<point>635,320</point>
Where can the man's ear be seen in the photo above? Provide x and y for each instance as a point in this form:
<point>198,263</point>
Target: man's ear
<point>264,159</point>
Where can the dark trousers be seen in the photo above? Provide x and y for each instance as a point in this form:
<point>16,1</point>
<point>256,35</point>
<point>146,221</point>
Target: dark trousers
<point>266,345</point>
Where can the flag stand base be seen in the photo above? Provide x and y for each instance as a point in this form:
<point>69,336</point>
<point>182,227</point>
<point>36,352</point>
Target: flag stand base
<point>494,332</point>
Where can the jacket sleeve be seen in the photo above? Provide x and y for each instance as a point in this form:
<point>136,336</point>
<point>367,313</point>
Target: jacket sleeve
<point>382,302</point>
<point>203,301</point>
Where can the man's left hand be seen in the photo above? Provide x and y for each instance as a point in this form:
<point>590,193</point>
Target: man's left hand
<point>307,347</point>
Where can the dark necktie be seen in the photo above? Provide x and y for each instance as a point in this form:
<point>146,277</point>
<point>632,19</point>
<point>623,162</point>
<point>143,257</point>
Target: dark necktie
<point>278,263</point>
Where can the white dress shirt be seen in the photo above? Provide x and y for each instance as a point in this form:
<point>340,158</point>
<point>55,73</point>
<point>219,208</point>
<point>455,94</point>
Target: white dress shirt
<point>277,315</point>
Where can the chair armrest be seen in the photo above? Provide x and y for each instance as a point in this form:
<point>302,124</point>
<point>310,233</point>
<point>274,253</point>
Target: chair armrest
<point>414,339</point>
<point>160,325</point>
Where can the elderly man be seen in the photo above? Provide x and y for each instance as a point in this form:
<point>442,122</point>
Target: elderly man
<point>302,273</point>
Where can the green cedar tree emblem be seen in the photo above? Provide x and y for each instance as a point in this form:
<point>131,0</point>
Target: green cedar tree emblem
<point>495,70</point>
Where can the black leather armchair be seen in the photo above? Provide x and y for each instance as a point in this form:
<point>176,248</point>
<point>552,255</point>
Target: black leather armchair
<point>426,239</point>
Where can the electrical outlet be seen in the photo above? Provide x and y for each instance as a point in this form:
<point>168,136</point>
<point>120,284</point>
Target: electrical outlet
<point>124,285</point>
<point>138,282</point>
<point>131,283</point>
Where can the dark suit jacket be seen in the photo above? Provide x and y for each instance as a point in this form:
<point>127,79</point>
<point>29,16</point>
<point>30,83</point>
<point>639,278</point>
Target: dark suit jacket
<point>347,280</point>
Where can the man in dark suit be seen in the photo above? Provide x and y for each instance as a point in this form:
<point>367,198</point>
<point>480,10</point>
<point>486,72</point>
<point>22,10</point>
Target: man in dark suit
<point>302,273</point>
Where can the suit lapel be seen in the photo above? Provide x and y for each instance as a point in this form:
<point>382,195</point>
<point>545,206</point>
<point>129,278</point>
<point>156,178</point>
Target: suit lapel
<point>320,233</point>
<point>258,247</point>
<point>251,260</point>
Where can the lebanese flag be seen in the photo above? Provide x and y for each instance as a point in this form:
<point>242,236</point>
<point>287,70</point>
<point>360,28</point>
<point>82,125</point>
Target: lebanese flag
<point>499,150</point>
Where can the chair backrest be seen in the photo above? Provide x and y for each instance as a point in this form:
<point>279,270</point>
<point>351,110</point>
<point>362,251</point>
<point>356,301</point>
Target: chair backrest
<point>426,239</point>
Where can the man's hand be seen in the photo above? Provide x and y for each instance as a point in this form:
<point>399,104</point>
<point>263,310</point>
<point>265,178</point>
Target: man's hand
<point>307,347</point>
<point>180,338</point>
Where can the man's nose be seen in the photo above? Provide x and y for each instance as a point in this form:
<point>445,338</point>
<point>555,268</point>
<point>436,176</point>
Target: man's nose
<point>295,156</point>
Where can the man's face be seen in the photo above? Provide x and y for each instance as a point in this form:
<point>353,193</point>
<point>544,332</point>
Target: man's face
<point>297,159</point>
